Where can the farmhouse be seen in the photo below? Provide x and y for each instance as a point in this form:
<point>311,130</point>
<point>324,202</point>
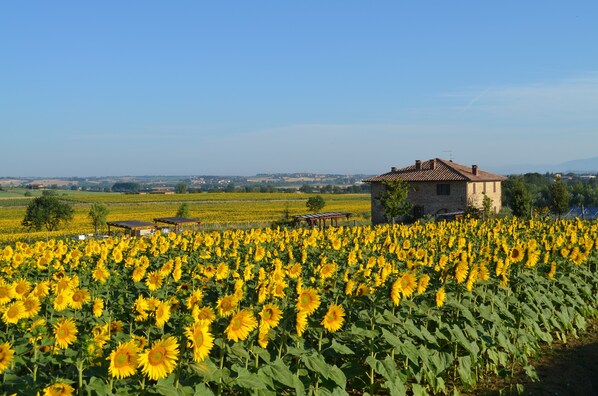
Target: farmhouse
<point>439,186</point>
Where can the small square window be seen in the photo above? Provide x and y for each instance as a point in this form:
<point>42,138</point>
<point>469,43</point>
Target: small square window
<point>443,189</point>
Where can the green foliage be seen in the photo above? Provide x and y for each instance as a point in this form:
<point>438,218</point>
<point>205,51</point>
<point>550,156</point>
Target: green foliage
<point>129,187</point>
<point>181,188</point>
<point>559,197</point>
<point>487,205</point>
<point>183,210</point>
<point>98,214</point>
<point>394,199</point>
<point>48,212</point>
<point>520,198</point>
<point>315,204</point>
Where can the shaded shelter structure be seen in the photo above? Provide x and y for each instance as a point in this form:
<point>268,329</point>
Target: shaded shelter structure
<point>133,227</point>
<point>178,224</point>
<point>320,218</point>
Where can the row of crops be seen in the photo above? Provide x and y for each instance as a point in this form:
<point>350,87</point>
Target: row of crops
<point>420,309</point>
<point>215,210</point>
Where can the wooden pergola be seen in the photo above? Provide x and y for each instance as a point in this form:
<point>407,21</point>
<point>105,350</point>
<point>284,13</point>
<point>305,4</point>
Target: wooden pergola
<point>134,227</point>
<point>320,218</point>
<point>179,222</point>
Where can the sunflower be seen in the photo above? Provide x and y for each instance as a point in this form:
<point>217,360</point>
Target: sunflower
<point>162,314</point>
<point>278,289</point>
<point>461,271</point>
<point>226,305</point>
<point>138,274</point>
<point>294,271</point>
<point>98,307</point>
<point>201,340</point>
<point>301,322</point>
<point>334,318</point>
<point>62,300</point>
<point>205,314</point>
<point>21,288</point>
<point>13,312</point>
<point>222,271</point>
<point>65,332</point>
<point>327,270</point>
<point>263,336</point>
<point>552,270</point>
<point>516,254</point>
<point>32,306</point>
<point>260,253</point>
<point>160,360</point>
<point>78,298</point>
<point>41,290</point>
<point>395,292</point>
<point>194,299</point>
<point>440,297</point>
<point>422,284</point>
<point>407,284</point>
<point>308,300</point>
<point>241,324</point>
<point>6,356</point>
<point>59,389</point>
<point>270,315</point>
<point>100,274</point>
<point>123,360</point>
<point>7,253</point>
<point>6,292</point>
<point>154,281</point>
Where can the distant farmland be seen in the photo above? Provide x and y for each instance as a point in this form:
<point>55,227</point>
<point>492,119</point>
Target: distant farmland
<point>215,210</point>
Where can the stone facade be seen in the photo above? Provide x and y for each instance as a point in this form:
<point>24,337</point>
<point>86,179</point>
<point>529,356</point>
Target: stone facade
<point>433,189</point>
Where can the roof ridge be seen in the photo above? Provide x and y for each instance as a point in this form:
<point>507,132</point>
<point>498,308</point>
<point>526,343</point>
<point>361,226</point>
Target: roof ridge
<point>450,165</point>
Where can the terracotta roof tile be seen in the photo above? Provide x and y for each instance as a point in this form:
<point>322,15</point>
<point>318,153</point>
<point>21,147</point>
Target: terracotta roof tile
<point>436,170</point>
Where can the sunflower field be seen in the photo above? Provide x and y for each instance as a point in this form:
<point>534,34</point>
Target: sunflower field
<point>405,309</point>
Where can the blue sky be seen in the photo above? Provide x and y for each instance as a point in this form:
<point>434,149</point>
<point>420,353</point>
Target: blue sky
<point>244,87</point>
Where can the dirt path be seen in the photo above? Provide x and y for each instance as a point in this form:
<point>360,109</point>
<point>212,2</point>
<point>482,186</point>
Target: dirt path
<point>563,369</point>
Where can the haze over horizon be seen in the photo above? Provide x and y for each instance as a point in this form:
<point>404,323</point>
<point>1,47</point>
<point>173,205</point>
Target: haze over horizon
<point>340,87</point>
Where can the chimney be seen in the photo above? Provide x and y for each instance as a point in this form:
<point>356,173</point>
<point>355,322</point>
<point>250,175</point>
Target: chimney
<point>418,165</point>
<point>393,169</point>
<point>474,170</point>
<point>433,164</point>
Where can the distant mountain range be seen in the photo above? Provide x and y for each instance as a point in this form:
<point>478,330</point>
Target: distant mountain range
<point>588,165</point>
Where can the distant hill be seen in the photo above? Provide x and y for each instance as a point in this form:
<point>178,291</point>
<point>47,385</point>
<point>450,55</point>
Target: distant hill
<point>587,165</point>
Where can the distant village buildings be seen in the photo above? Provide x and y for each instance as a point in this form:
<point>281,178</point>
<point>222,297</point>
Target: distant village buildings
<point>438,186</point>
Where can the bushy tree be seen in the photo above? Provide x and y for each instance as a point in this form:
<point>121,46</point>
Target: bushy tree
<point>98,213</point>
<point>48,212</point>
<point>559,197</point>
<point>315,204</point>
<point>394,199</point>
<point>181,188</point>
<point>520,200</point>
<point>183,210</point>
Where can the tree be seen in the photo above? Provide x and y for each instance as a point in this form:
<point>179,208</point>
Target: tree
<point>183,210</point>
<point>486,205</point>
<point>394,199</point>
<point>559,197</point>
<point>126,187</point>
<point>520,198</point>
<point>181,188</point>
<point>98,214</point>
<point>315,204</point>
<point>48,212</point>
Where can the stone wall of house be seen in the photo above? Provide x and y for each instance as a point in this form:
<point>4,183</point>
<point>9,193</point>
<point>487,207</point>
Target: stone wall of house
<point>424,194</point>
<point>493,189</point>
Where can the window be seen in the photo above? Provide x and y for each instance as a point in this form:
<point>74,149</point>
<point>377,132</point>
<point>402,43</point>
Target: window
<point>443,189</point>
